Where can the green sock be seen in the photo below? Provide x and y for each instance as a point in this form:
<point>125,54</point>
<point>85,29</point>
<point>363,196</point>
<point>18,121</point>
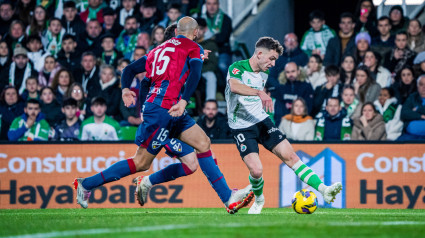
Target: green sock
<point>307,175</point>
<point>257,185</point>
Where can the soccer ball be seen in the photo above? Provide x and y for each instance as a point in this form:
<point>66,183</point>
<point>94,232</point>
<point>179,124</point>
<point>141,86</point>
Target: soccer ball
<point>304,202</point>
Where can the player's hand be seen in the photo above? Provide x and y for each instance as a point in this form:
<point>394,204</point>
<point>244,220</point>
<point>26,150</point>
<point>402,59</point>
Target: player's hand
<point>141,116</point>
<point>206,53</point>
<point>128,97</point>
<point>266,100</point>
<point>178,109</point>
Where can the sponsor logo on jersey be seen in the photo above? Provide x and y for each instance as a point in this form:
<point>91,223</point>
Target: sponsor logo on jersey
<point>243,148</point>
<point>155,144</point>
<point>155,90</point>
<point>328,165</point>
<point>235,71</point>
<point>174,41</point>
<point>272,130</point>
<point>202,57</point>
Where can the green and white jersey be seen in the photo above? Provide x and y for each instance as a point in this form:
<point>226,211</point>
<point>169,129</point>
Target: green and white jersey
<point>109,129</point>
<point>245,111</point>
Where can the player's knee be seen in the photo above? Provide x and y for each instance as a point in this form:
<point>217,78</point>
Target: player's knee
<point>204,145</point>
<point>256,172</point>
<point>141,165</point>
<point>192,167</point>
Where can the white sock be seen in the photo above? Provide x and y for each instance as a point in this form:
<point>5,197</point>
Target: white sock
<point>259,198</point>
<point>322,188</point>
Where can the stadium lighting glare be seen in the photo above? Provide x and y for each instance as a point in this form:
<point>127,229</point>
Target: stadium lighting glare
<point>398,2</point>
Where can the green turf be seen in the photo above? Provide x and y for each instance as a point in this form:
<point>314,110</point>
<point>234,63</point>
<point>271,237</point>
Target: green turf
<point>214,222</point>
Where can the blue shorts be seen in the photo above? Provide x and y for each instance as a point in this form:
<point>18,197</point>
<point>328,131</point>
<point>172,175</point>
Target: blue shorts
<point>177,148</point>
<point>158,128</point>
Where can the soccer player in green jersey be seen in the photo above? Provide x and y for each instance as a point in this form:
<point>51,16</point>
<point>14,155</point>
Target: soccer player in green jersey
<point>247,107</point>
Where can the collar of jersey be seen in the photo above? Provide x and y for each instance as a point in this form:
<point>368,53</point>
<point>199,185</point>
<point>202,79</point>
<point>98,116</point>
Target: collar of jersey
<point>181,36</point>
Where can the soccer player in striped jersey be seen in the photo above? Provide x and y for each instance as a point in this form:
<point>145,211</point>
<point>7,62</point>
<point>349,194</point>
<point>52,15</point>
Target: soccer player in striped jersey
<point>167,67</point>
<point>247,104</point>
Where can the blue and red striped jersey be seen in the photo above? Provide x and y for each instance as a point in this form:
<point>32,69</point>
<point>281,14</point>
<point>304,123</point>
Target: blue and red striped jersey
<point>167,67</point>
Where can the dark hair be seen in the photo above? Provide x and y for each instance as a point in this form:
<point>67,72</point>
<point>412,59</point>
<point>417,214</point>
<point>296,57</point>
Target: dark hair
<point>33,38</point>
<point>369,81</point>
<point>3,93</point>
<point>54,19</point>
<point>35,28</point>
<point>174,6</point>
<point>348,86</point>
<point>383,18</point>
<point>305,106</point>
<point>153,33</point>
<point>6,2</point>
<point>369,104</point>
<point>408,67</point>
<point>32,101</point>
<point>331,70</point>
<point>80,103</point>
<point>48,88</point>
<point>55,81</point>
<point>390,91</point>
<point>68,36</point>
<point>372,14</point>
<point>316,14</point>
<point>130,17</point>
<point>317,58</point>
<point>98,101</point>
<point>347,15</point>
<point>378,59</point>
<point>270,44</point>
<point>332,98</point>
<point>140,48</point>
<point>31,77</point>
<point>69,102</point>
<point>122,60</point>
<point>69,4</point>
<point>211,100</point>
<point>169,32</point>
<point>401,33</point>
<point>201,22</point>
<point>88,53</point>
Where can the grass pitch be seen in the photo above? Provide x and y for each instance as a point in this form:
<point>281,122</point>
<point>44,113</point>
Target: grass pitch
<point>211,222</point>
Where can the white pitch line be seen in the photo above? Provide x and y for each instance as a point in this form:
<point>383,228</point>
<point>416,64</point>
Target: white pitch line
<point>190,226</point>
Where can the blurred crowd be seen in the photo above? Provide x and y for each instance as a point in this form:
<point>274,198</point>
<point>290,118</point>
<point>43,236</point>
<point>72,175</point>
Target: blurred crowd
<point>61,62</point>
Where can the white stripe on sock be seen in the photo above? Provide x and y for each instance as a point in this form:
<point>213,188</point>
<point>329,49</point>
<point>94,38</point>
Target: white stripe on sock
<point>297,165</point>
<point>303,171</point>
<point>308,177</point>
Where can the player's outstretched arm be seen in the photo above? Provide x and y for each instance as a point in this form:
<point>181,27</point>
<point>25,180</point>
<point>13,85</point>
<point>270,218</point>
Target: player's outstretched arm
<point>131,71</point>
<point>237,87</point>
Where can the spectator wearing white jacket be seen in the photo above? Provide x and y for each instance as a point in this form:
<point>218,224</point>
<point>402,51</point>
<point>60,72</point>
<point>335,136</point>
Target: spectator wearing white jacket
<point>388,106</point>
<point>315,71</point>
<point>298,125</point>
<point>381,75</point>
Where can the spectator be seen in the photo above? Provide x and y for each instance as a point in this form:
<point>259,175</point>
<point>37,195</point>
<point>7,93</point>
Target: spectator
<point>144,40</point>
<point>330,89</point>
<point>316,39</point>
<point>210,66</point>
<point>127,41</point>
<point>31,89</point>
<point>48,72</point>
<point>50,107</point>
<point>398,21</point>
<point>110,91</point>
<point>7,15</point>
<point>157,36</point>
<point>292,86</point>
<point>5,56</point>
<point>298,125</point>
<point>24,10</point>
<point>213,123</point>
<point>109,55</point>
<point>69,57</point>
<point>126,11</point>
<point>88,75</point>
<point>77,93</point>
<point>139,52</point>
<point>49,5</point>
<point>419,64</point>
<point>31,125</point>
<point>415,36</point>
<point>10,107</point>
<point>350,103</point>
<point>365,88</point>
<point>347,70</point>
<point>38,24</point>
<point>110,24</point>
<point>343,43</point>
<point>400,55</point>
<point>388,106</point>
<point>362,45</point>
<point>16,35</point>
<point>380,74</point>
<point>18,72</point>
<point>148,16</point>
<point>219,29</point>
<point>90,40</point>
<point>370,125</point>
<point>52,40</point>
<point>93,12</point>
<point>122,63</point>
<point>366,17</point>
<point>404,85</point>
<point>61,83</point>
<point>69,128</point>
<point>292,53</point>
<point>71,22</point>
<point>131,115</point>
<point>315,71</point>
<point>173,15</point>
<point>384,42</point>
<point>333,125</point>
<point>99,126</point>
<point>36,52</point>
<point>413,113</point>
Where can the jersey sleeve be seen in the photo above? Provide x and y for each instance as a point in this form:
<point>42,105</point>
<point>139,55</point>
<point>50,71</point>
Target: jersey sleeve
<point>196,53</point>
<point>235,72</point>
